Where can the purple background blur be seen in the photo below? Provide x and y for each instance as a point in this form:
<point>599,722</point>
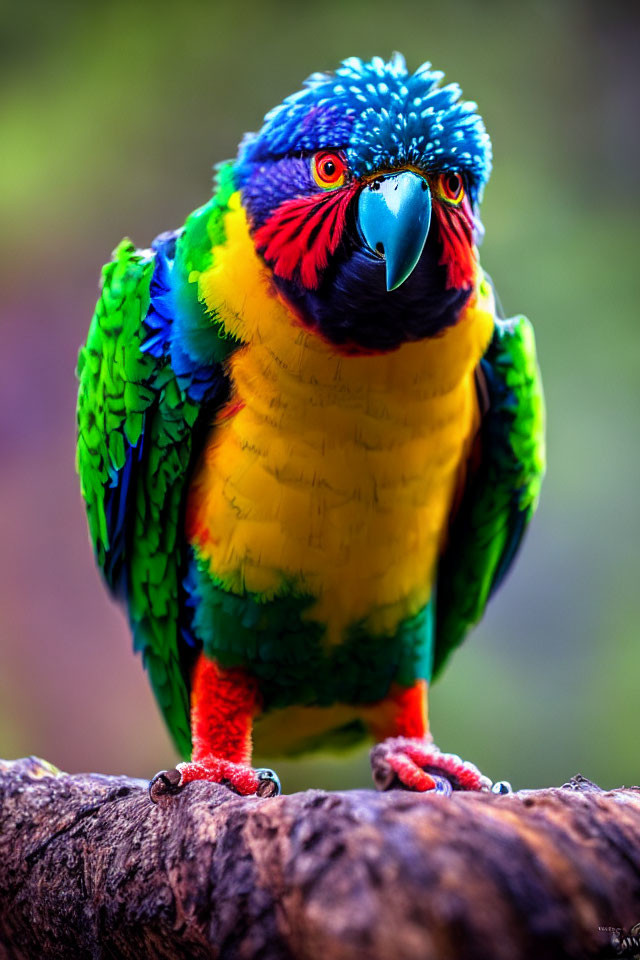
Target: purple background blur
<point>111,116</point>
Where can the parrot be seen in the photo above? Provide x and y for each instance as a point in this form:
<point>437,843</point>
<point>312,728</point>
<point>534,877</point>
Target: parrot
<point>309,442</point>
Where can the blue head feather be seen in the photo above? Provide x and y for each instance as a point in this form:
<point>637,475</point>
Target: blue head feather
<point>383,117</point>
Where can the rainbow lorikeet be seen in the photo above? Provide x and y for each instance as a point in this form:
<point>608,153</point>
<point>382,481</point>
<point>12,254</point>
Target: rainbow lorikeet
<point>308,442</point>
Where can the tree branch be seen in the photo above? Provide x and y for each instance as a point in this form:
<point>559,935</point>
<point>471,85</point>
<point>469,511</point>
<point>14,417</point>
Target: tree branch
<point>90,868</point>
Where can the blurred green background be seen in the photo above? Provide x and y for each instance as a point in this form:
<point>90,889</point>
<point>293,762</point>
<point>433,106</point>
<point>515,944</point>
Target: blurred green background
<point>111,116</point>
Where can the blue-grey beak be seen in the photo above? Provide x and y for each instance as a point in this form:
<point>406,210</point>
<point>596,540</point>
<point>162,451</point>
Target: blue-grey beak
<point>394,213</point>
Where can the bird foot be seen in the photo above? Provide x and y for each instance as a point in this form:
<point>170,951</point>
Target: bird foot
<point>238,777</point>
<point>412,763</point>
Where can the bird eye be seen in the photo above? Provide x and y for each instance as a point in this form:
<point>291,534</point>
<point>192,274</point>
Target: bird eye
<point>329,169</point>
<point>450,187</point>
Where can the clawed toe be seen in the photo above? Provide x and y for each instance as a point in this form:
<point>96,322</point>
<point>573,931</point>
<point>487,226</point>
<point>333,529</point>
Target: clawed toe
<point>240,779</point>
<point>164,783</point>
<point>414,764</point>
<point>410,777</point>
<point>268,783</point>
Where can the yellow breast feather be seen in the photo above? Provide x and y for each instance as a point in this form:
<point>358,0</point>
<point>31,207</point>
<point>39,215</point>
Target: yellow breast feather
<point>331,475</point>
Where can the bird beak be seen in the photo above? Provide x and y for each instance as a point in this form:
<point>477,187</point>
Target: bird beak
<point>394,213</point>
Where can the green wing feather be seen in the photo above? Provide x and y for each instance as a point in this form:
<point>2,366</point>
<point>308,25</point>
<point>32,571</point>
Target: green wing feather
<point>502,491</point>
<point>123,396</point>
<point>144,404</point>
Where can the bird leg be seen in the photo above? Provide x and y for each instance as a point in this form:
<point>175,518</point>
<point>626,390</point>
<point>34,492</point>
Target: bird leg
<point>223,706</point>
<point>406,756</point>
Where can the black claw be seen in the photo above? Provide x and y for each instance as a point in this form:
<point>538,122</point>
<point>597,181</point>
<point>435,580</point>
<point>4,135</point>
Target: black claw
<point>164,783</point>
<point>442,785</point>
<point>269,785</point>
<point>502,787</point>
<point>385,778</point>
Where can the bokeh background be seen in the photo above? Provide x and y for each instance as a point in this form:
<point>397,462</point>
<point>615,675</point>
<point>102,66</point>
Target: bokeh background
<point>111,116</point>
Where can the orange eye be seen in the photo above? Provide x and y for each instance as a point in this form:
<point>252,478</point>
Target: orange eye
<point>450,187</point>
<point>328,169</point>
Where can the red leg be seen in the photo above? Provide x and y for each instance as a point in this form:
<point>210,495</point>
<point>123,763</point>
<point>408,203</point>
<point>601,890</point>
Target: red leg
<point>403,713</point>
<point>406,755</point>
<point>223,706</point>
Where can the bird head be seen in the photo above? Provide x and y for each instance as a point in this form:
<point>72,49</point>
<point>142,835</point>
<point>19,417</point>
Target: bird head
<point>362,192</point>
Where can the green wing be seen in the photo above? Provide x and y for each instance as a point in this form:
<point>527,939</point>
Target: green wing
<point>144,404</point>
<point>502,490</point>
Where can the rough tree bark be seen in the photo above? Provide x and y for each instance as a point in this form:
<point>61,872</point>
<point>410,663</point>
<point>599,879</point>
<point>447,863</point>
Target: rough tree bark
<point>90,868</point>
